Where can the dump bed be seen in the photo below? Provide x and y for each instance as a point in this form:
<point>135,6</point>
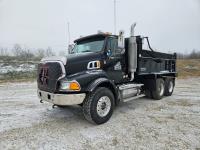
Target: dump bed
<point>155,62</point>
<point>152,62</point>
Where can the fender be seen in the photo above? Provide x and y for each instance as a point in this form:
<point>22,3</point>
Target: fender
<point>106,83</point>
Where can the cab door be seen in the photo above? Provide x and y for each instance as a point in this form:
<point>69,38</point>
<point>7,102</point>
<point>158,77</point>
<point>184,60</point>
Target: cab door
<point>114,60</point>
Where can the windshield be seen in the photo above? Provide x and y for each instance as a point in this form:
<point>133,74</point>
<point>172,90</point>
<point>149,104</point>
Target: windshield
<point>89,45</point>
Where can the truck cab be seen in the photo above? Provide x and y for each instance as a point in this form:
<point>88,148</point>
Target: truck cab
<point>103,70</point>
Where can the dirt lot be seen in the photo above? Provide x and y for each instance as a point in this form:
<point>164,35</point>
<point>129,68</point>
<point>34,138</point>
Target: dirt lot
<point>171,123</point>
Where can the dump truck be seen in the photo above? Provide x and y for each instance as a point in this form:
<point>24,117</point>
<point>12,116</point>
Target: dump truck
<point>103,70</point>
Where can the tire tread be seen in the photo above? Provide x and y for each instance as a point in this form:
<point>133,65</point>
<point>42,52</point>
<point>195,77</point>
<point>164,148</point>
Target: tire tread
<point>87,104</point>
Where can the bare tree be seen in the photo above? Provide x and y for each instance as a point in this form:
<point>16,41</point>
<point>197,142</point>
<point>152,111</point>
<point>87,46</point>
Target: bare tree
<point>194,54</point>
<point>40,53</point>
<point>17,50</point>
<point>180,56</point>
<point>3,52</point>
<point>27,53</point>
<point>49,52</point>
<point>62,53</point>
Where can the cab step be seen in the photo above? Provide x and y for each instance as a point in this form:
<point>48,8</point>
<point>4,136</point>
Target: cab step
<point>133,98</point>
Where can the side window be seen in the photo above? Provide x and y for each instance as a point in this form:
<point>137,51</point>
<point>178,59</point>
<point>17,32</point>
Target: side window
<point>112,45</point>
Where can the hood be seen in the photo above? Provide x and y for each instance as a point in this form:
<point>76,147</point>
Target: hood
<point>55,58</point>
<point>78,62</point>
<point>74,63</point>
<point>82,56</point>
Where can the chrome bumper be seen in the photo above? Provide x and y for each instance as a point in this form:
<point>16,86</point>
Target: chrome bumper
<point>61,99</point>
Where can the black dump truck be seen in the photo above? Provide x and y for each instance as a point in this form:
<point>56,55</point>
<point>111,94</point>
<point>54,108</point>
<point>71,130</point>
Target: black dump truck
<point>103,70</point>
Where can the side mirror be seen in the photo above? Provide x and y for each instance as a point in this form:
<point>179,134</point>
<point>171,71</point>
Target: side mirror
<point>70,49</point>
<point>120,50</point>
<point>108,53</point>
<point>121,39</point>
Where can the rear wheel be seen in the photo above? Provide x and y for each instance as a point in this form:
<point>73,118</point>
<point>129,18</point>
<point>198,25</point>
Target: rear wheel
<point>98,106</point>
<point>61,106</point>
<point>158,93</point>
<point>169,87</point>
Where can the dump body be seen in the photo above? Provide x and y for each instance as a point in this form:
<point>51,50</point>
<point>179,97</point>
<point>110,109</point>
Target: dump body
<point>151,62</point>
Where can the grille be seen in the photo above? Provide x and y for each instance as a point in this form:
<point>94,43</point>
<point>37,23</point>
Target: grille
<point>48,75</point>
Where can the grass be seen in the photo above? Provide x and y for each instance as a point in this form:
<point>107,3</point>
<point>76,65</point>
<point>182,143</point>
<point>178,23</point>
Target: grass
<point>188,68</point>
<point>18,76</point>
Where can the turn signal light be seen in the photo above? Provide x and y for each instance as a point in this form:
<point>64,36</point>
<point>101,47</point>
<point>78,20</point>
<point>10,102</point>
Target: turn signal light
<point>74,86</point>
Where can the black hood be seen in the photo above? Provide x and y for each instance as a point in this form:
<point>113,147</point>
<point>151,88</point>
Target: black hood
<point>78,62</point>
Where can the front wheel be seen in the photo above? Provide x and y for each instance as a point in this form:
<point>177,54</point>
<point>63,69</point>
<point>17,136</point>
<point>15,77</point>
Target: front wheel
<point>98,106</point>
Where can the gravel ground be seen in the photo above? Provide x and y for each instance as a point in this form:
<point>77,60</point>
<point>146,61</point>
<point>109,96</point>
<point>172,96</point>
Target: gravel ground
<point>171,123</point>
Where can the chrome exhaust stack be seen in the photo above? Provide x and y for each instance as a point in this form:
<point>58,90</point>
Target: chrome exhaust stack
<point>132,53</point>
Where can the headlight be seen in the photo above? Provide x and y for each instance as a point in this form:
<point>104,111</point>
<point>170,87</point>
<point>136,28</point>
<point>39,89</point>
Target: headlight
<point>70,86</point>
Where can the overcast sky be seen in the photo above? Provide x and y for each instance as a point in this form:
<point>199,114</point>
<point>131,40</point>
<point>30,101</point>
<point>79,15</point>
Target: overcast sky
<point>172,25</point>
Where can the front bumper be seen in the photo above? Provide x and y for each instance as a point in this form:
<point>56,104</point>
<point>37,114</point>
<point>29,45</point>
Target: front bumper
<point>61,99</point>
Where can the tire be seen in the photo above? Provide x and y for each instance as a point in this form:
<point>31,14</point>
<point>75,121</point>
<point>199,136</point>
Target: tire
<point>61,106</point>
<point>158,93</point>
<point>169,87</point>
<point>98,106</point>
<point>148,93</point>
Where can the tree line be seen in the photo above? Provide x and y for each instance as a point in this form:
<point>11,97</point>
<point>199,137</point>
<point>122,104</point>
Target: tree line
<point>194,54</point>
<point>22,53</point>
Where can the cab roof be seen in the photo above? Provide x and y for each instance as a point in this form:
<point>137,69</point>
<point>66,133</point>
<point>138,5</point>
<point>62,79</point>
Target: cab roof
<point>103,35</point>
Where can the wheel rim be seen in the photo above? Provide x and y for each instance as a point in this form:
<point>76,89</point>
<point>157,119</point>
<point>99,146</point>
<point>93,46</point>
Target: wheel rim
<point>103,106</point>
<point>161,89</point>
<point>171,86</point>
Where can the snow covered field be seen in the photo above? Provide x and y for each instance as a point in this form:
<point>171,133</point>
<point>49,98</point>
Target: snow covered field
<point>16,67</point>
<point>171,123</point>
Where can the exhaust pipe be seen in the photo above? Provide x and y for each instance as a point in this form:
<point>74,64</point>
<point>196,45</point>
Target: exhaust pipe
<point>133,29</point>
<point>132,53</point>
